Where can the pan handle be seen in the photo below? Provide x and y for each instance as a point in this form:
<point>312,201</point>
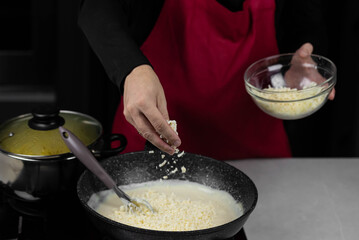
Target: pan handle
<point>85,156</point>
<point>108,152</point>
<point>88,159</point>
<point>150,147</point>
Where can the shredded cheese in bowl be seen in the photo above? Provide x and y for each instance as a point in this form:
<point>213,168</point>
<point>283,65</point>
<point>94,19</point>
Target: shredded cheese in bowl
<point>298,86</point>
<point>179,206</point>
<point>290,103</point>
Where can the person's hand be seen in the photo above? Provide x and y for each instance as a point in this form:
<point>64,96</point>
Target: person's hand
<point>298,70</point>
<point>145,107</point>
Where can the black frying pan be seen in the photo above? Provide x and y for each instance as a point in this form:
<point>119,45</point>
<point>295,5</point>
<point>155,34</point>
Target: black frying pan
<point>143,166</point>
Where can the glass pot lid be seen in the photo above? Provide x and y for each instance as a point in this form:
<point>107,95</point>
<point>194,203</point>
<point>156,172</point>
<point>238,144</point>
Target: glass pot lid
<point>37,134</point>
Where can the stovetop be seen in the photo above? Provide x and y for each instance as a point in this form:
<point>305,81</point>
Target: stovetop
<point>58,218</point>
<point>61,217</point>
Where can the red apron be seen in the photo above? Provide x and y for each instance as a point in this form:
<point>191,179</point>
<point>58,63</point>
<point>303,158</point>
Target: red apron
<point>200,50</point>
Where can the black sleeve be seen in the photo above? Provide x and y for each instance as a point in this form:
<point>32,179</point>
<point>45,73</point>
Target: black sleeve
<point>301,21</point>
<point>116,29</point>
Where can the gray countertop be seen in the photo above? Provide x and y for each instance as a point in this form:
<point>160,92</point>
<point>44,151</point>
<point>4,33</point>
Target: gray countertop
<point>303,199</point>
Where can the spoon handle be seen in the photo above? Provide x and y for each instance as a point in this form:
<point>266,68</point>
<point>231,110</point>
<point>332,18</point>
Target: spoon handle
<point>86,157</point>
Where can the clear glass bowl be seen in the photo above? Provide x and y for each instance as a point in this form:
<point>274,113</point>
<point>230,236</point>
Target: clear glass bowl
<point>289,88</point>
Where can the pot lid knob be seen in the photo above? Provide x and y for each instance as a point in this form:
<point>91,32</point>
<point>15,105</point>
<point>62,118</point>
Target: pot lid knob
<point>46,118</point>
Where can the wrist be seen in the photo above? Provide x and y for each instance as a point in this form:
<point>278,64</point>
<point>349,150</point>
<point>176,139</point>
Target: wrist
<point>139,70</point>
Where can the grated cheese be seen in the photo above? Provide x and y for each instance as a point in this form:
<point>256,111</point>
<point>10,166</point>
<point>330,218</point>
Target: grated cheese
<point>173,125</point>
<point>163,163</point>
<point>172,214</point>
<point>180,154</point>
<point>292,108</point>
<point>178,205</point>
<point>173,171</point>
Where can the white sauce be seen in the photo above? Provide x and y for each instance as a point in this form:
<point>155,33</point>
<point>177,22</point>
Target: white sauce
<point>179,206</point>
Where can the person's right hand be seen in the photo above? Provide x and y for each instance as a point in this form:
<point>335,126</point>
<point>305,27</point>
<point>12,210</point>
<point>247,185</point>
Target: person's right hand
<point>298,70</point>
<point>145,107</point>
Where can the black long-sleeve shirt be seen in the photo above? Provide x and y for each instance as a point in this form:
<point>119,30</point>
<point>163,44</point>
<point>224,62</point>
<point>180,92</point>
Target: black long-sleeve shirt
<point>116,29</point>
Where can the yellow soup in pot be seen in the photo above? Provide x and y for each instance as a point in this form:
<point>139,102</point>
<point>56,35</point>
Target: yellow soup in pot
<point>18,138</point>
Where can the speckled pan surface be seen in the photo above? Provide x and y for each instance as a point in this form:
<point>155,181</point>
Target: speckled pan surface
<point>152,165</point>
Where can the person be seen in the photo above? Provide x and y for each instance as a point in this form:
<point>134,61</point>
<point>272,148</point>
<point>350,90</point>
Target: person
<point>184,60</point>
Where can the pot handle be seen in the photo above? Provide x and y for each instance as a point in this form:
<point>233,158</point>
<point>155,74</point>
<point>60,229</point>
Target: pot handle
<point>104,153</point>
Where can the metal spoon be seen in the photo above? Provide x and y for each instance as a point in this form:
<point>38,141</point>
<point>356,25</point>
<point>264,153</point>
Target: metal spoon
<point>87,158</point>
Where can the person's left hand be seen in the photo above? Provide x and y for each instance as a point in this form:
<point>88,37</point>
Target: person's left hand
<point>298,70</point>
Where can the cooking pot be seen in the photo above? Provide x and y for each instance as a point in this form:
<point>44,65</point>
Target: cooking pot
<point>34,161</point>
<point>138,167</point>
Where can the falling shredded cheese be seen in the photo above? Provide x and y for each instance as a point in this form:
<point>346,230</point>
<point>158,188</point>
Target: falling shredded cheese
<point>163,163</point>
<point>174,171</point>
<point>180,154</point>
